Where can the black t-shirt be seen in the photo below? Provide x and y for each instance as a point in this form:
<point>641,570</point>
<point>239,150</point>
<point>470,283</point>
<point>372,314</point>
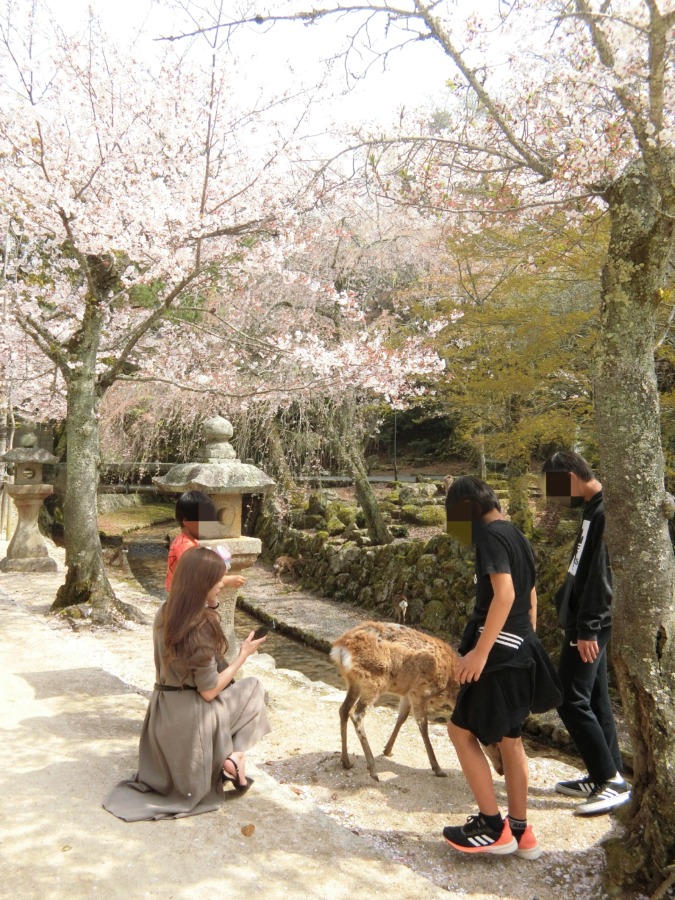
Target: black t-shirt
<point>501,548</point>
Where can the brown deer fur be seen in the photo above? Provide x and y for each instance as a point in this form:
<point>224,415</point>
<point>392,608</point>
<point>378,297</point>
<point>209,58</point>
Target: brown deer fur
<point>290,565</point>
<point>399,605</point>
<point>381,657</point>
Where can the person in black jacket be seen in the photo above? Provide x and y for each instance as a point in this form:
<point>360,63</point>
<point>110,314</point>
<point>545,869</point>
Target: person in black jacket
<point>584,611</point>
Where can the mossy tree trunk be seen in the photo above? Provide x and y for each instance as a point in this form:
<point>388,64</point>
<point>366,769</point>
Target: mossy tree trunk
<point>377,528</point>
<point>641,554</point>
<point>86,581</point>
<point>349,454</point>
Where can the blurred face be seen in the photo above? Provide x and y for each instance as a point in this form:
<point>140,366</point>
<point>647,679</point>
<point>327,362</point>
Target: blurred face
<point>563,488</point>
<point>463,522</point>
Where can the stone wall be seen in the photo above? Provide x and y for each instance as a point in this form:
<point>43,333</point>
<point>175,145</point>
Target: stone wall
<point>437,575</point>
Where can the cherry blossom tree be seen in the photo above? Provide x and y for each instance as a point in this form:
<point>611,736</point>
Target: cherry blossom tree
<point>132,188</point>
<point>309,336</point>
<point>568,102</point>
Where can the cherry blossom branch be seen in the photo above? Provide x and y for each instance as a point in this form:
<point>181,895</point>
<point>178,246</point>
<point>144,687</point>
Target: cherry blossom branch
<point>308,17</point>
<point>284,389</point>
<point>111,374</point>
<point>43,338</point>
<point>643,131</point>
<point>242,338</point>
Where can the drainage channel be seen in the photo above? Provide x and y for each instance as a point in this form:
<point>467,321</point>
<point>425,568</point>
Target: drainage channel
<point>147,552</point>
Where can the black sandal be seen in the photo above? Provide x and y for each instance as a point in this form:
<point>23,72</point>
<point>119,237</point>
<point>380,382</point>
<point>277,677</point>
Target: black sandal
<point>236,780</point>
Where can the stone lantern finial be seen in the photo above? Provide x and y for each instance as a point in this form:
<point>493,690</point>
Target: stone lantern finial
<point>217,446</point>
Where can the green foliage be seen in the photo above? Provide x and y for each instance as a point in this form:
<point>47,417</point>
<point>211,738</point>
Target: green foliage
<point>514,319</point>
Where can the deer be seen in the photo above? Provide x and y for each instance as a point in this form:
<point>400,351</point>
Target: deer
<point>399,605</point>
<point>382,657</point>
<point>287,564</point>
<point>116,557</point>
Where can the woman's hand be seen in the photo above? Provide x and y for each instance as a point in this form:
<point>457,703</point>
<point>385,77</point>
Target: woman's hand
<point>247,648</point>
<point>250,646</point>
<point>470,666</point>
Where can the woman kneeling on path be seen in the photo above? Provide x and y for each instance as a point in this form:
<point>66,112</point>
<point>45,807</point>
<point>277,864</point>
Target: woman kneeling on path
<point>504,672</point>
<point>195,731</point>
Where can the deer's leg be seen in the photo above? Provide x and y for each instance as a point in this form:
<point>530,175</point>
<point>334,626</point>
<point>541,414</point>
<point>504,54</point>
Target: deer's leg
<point>345,710</point>
<point>403,713</point>
<point>494,754</point>
<point>357,717</point>
<point>423,725</point>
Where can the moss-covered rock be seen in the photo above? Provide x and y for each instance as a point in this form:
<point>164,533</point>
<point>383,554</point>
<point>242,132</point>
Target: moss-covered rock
<point>347,514</point>
<point>312,521</point>
<point>316,504</point>
<point>423,515</point>
<point>335,526</point>
<point>414,492</point>
<point>433,616</point>
<point>413,551</point>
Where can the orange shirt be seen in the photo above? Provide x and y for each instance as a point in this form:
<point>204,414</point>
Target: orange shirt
<point>178,547</point>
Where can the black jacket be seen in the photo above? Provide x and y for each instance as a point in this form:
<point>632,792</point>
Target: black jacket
<point>584,600</point>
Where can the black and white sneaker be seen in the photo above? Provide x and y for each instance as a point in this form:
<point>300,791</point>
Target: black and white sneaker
<point>476,836</point>
<point>582,788</point>
<point>604,798</point>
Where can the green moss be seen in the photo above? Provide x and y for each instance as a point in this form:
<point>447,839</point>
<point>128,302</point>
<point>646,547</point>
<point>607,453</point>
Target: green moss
<point>335,526</point>
<point>347,514</point>
<point>433,616</point>
<point>423,515</point>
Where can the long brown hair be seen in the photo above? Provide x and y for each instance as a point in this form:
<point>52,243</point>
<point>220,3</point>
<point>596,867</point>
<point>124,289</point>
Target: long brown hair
<point>191,629</point>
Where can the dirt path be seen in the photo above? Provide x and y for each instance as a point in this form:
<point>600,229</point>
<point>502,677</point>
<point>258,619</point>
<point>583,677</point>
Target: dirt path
<point>71,708</point>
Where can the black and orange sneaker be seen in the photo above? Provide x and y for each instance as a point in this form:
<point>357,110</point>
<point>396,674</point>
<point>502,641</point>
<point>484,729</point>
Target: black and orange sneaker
<point>476,836</point>
<point>528,848</point>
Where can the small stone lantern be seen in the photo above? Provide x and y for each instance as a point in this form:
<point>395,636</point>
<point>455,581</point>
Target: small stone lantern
<point>27,551</point>
<point>225,479</point>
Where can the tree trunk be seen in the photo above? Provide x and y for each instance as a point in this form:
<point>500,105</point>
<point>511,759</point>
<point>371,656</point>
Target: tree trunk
<point>350,456</point>
<point>279,468</point>
<point>641,555</point>
<point>86,581</point>
<point>518,479</point>
<point>377,527</point>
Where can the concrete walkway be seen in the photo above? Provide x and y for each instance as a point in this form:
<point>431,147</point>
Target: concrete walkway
<point>296,612</point>
<point>71,716</point>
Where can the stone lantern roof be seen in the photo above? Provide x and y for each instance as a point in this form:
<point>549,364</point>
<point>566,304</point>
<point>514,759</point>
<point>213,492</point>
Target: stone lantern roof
<point>28,452</point>
<point>218,471</point>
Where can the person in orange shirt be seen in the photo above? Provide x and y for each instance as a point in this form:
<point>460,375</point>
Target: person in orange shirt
<point>192,509</point>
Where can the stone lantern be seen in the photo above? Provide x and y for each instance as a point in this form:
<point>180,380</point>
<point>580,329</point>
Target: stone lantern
<point>27,551</point>
<point>225,479</point>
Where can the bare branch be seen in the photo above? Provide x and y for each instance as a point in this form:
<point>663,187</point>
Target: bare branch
<point>43,339</point>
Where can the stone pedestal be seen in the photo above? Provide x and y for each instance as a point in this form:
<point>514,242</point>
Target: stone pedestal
<point>27,551</point>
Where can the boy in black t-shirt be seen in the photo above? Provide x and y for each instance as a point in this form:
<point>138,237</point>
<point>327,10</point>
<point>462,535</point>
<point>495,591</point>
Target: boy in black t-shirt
<point>504,672</point>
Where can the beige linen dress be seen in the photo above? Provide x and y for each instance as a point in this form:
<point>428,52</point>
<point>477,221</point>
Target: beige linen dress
<point>185,741</point>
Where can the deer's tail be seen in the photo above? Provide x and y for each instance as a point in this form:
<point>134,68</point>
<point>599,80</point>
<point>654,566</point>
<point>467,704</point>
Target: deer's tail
<point>341,657</point>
